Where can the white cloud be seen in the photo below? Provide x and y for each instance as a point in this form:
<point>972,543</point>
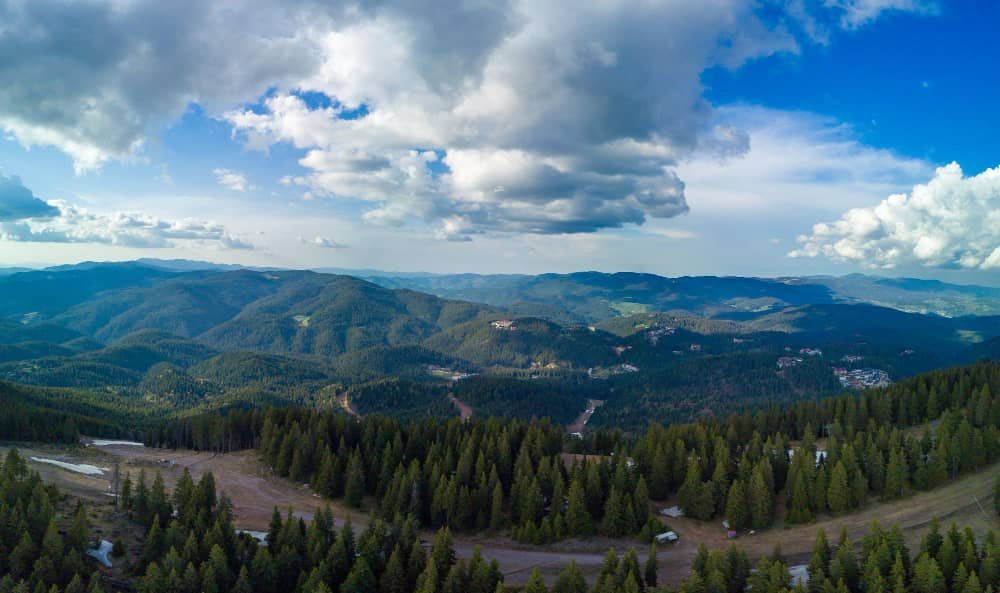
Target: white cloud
<point>537,109</point>
<point>797,162</point>
<point>26,218</point>
<point>951,222</point>
<point>581,112</point>
<point>675,234</point>
<point>857,13</point>
<point>233,180</point>
<point>323,242</point>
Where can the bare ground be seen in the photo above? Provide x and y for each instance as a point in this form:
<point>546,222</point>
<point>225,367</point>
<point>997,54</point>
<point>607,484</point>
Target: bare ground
<point>464,409</point>
<point>584,417</point>
<point>255,492</point>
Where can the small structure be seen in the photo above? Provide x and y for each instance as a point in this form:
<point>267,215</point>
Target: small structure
<point>811,351</point>
<point>674,511</point>
<point>731,534</point>
<point>102,553</point>
<point>505,324</point>
<point>667,537</point>
<point>695,348</point>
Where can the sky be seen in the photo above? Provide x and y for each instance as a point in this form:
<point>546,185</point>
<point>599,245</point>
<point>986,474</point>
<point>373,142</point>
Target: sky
<point>729,137</point>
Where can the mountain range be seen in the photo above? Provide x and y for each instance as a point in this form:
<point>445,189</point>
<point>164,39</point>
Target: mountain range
<point>186,333</point>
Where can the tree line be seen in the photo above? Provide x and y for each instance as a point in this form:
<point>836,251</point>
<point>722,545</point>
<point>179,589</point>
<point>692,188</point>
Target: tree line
<point>192,546</point>
<point>737,468</point>
<point>39,549</point>
<point>957,561</point>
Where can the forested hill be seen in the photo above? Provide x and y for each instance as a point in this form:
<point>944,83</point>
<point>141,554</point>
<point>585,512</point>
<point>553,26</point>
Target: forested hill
<point>183,336</point>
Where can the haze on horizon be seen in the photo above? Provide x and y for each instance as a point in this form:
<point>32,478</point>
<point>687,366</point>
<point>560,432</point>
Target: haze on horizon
<point>677,138</point>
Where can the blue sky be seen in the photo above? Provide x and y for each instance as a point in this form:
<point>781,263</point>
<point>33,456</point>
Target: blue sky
<point>916,84</point>
<point>723,138</point>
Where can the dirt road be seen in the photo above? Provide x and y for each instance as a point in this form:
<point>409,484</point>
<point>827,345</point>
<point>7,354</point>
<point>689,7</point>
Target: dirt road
<point>255,492</point>
<point>464,409</point>
<point>581,421</point>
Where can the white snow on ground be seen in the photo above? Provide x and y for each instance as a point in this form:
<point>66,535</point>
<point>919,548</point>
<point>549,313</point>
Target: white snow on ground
<point>102,553</point>
<point>800,574</point>
<point>104,443</point>
<point>260,536</point>
<point>80,468</point>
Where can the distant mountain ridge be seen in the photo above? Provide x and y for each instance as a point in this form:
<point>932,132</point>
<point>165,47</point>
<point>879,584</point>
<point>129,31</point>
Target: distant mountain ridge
<point>592,296</point>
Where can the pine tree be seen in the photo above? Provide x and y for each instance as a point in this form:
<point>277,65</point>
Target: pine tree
<point>800,504</point>
<point>895,475</point>
<point>354,487</point>
<point>972,585</point>
<point>617,520</point>
<point>570,580</point>
<point>839,493</point>
<point>393,580</point>
<point>736,509</point>
<point>243,582</point>
<point>427,582</point>
<point>361,579</point>
<point>760,500</point>
<point>496,507</point>
<point>535,583</point>
<point>927,576</point>
<point>650,573</point>
<point>578,520</point>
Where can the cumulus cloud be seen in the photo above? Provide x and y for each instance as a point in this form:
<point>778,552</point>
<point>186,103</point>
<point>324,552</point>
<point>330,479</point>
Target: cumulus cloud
<point>18,202</point>
<point>94,79</point>
<point>579,112</point>
<point>26,218</point>
<point>549,125</point>
<point>233,180</point>
<point>951,222</point>
<point>323,242</point>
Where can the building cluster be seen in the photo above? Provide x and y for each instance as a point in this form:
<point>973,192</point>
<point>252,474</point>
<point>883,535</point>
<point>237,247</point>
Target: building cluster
<point>504,324</point>
<point>788,361</point>
<point>862,378</point>
<point>811,351</point>
<point>537,364</point>
<point>605,372</point>
<point>654,335</point>
<point>447,373</point>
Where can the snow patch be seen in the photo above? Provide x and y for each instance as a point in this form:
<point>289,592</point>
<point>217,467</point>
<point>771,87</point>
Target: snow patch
<point>106,443</point>
<point>260,536</point>
<point>80,468</point>
<point>102,552</point>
